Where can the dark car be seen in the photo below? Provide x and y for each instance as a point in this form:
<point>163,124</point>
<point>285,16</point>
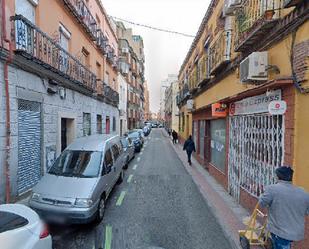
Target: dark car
<point>137,140</point>
<point>128,150</point>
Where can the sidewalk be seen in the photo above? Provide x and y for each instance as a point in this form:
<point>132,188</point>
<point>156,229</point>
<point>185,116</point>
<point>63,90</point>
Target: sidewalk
<point>227,211</point>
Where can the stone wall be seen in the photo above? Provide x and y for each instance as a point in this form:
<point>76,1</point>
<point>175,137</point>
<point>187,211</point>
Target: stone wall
<point>29,86</point>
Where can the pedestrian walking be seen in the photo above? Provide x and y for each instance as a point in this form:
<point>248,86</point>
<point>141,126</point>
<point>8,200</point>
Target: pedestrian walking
<point>287,207</point>
<point>169,132</point>
<point>189,147</point>
<point>175,136</point>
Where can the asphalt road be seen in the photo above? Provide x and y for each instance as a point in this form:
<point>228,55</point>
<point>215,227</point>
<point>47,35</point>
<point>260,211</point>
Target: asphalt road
<point>158,206</point>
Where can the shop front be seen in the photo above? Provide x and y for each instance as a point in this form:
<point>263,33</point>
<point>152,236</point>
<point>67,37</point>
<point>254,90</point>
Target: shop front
<point>243,143</point>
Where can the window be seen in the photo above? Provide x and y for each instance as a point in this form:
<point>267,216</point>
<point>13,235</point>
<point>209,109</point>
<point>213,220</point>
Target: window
<point>115,150</point>
<point>99,124</point>
<point>108,160</point>
<point>99,71</point>
<point>217,143</point>
<point>86,124</point>
<point>114,124</point>
<point>10,221</point>
<point>85,57</point>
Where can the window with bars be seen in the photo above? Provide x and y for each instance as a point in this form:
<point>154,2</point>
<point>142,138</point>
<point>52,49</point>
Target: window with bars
<point>86,124</point>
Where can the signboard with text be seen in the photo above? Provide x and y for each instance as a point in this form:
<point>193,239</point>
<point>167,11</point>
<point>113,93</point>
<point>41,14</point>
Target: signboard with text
<point>256,104</point>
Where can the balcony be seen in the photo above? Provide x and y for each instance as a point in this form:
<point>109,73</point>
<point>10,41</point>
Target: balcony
<point>109,94</point>
<point>203,73</point>
<point>83,15</point>
<point>37,46</point>
<point>101,41</point>
<point>254,20</point>
<point>220,52</point>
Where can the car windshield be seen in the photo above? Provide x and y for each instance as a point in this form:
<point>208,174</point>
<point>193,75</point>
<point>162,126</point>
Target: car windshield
<point>134,135</point>
<point>124,142</point>
<point>74,163</point>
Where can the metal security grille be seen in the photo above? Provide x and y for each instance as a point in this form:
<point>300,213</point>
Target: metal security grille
<point>29,145</point>
<point>256,149</point>
<point>86,124</point>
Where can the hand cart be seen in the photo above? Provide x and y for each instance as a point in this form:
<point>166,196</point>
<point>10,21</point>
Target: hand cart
<point>255,233</point>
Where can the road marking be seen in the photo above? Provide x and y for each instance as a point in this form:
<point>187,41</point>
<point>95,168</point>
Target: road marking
<point>141,153</point>
<point>135,166</point>
<point>120,199</point>
<point>138,159</point>
<point>129,178</point>
<point>108,237</point>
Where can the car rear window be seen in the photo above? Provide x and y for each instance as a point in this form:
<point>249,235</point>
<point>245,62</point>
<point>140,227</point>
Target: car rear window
<point>10,221</point>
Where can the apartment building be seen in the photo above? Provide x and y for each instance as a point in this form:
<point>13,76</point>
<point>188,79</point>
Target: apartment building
<point>58,67</point>
<point>131,64</point>
<point>147,113</point>
<point>242,95</point>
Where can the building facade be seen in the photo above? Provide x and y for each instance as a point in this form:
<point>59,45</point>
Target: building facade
<point>131,63</point>
<point>59,82</point>
<point>243,96</point>
<point>123,102</point>
<point>147,113</point>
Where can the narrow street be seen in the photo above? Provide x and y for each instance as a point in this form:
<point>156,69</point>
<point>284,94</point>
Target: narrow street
<point>157,206</point>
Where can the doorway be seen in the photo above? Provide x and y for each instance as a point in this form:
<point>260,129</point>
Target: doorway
<point>67,132</point>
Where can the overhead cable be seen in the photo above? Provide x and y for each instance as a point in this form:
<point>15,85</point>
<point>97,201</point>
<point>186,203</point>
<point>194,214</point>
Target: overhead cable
<point>153,28</point>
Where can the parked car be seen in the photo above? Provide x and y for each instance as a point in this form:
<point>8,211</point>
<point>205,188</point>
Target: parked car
<point>21,227</point>
<point>76,187</point>
<point>146,130</point>
<point>137,140</point>
<point>141,132</point>
<point>154,126</point>
<point>128,149</point>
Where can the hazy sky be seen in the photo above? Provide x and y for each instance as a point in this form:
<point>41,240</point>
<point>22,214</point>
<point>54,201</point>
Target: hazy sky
<point>164,52</point>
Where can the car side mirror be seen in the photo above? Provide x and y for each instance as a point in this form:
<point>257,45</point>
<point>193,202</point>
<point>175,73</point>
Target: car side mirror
<point>109,168</point>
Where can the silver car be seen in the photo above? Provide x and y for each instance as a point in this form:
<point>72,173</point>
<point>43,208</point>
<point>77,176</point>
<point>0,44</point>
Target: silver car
<point>76,187</point>
<point>128,149</point>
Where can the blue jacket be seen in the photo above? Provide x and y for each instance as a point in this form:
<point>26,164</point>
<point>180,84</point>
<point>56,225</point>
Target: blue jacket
<point>189,146</point>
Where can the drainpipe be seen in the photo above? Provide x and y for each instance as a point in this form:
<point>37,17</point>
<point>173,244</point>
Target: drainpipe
<point>8,60</point>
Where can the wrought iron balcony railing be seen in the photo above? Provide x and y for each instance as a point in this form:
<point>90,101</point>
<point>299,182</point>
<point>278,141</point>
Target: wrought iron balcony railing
<point>83,15</point>
<point>101,41</point>
<point>220,52</point>
<point>110,94</point>
<point>34,44</point>
<point>204,71</point>
<point>254,19</point>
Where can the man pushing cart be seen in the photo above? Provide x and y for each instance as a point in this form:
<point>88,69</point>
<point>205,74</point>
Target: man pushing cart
<point>287,207</point>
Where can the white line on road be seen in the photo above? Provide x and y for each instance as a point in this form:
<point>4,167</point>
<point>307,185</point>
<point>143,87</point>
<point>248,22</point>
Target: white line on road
<point>138,159</point>
<point>134,167</point>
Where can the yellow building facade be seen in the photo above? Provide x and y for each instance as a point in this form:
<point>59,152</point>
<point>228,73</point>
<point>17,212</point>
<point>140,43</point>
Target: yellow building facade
<point>246,61</point>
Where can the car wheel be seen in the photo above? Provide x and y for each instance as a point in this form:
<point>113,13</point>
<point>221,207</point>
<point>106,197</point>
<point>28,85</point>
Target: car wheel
<point>126,166</point>
<point>101,209</point>
<point>121,176</point>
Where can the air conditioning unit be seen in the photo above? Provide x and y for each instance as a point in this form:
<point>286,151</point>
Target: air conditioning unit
<point>125,50</point>
<point>190,105</point>
<point>291,3</point>
<point>254,68</point>
<point>230,6</point>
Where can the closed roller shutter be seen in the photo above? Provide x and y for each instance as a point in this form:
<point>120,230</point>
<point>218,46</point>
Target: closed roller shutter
<point>29,145</point>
